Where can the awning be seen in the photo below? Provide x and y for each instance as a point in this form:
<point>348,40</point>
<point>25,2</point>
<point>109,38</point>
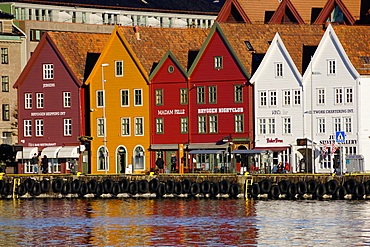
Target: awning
<point>69,152</point>
<point>249,151</point>
<point>214,151</point>
<point>207,145</point>
<point>164,146</point>
<point>50,152</point>
<point>274,149</point>
<point>27,153</point>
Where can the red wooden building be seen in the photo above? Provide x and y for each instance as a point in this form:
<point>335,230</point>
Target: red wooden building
<point>50,103</point>
<point>202,114</point>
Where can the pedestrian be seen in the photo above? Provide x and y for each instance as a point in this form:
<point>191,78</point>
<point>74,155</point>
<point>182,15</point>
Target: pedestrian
<point>286,167</point>
<point>280,167</point>
<point>173,162</point>
<point>45,164</point>
<point>35,163</point>
<point>335,166</point>
<point>2,167</point>
<point>39,162</point>
<point>160,164</point>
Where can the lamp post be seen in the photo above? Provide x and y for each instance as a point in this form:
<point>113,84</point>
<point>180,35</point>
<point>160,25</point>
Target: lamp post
<point>105,122</point>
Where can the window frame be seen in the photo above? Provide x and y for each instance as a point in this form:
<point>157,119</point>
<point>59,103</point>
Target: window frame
<point>331,67</point>
<point>184,125</point>
<point>263,98</point>
<point>39,127</point>
<point>212,94</point>
<point>100,127</point>
<point>39,100</point>
<point>218,62</point>
<point>262,126</point>
<point>287,97</point>
<point>48,71</point>
<point>67,127</point>
<point>238,93</point>
<point>347,122</point>
<point>287,125</point>
<point>297,97</point>
<point>213,123</point>
<point>239,123</point>
<point>27,128</point>
<point>337,124</point>
<point>5,84</point>
<point>271,126</point>
<point>184,96</point>
<point>118,68</point>
<point>338,96</point>
<point>159,97</point>
<point>4,55</point>
<point>201,95</point>
<point>138,97</point>
<point>5,110</point>
<point>67,100</point>
<point>348,96</point>
<point>202,124</point>
<point>27,101</point>
<point>321,125</point>
<point>127,130</point>
<point>125,96</point>
<point>100,98</point>
<point>159,125</point>
<point>320,96</point>
<point>279,70</point>
<point>272,94</point>
<point>139,126</point>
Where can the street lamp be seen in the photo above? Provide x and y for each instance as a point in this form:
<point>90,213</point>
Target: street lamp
<point>105,122</point>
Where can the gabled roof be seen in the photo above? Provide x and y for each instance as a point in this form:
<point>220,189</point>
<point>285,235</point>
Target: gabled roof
<point>72,49</point>
<point>286,10</point>
<point>168,55</point>
<point>155,42</point>
<point>329,7</point>
<point>357,52</point>
<point>260,12</point>
<point>186,6</point>
<point>295,37</point>
<point>232,12</point>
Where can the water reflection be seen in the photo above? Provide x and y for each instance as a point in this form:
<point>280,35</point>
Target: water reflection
<point>183,222</point>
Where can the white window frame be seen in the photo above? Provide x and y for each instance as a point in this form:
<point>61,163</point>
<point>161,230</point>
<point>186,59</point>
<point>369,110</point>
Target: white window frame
<point>287,125</point>
<point>202,124</point>
<point>67,127</point>
<point>27,128</point>
<point>279,69</point>
<point>321,126</point>
<point>159,125</point>
<point>337,124</point>
<point>28,101</point>
<point>98,103</point>
<point>297,97</point>
<point>39,125</point>
<point>348,94</point>
<point>347,121</point>
<point>217,62</point>
<point>331,65</point>
<point>139,123</point>
<point>66,99</point>
<point>263,98</point>
<point>39,100</point>
<point>135,97</point>
<point>239,123</point>
<point>48,71</point>
<point>128,97</point>
<point>262,126</point>
<point>184,125</point>
<point>338,95</point>
<point>118,68</point>
<point>287,97</point>
<point>213,123</point>
<point>320,96</point>
<point>100,127</point>
<point>125,126</point>
<point>273,98</point>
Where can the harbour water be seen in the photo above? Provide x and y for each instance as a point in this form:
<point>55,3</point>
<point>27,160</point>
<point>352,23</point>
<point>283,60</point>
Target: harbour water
<point>183,222</point>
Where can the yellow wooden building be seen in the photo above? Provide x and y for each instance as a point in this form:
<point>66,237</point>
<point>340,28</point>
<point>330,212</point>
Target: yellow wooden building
<point>118,114</point>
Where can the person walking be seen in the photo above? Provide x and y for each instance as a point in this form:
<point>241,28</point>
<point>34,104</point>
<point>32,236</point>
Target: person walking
<point>173,162</point>
<point>34,161</point>
<point>45,164</point>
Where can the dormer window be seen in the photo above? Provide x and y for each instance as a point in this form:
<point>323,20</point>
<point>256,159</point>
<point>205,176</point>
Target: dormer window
<point>249,45</point>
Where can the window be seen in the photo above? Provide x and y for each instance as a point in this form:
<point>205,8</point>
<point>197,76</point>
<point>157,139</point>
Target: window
<point>39,127</point>
<point>138,97</point>
<point>287,95</point>
<point>125,123</point>
<point>5,83</point>
<point>297,97</point>
<point>263,98</point>
<point>28,101</point>
<point>262,126</point>
<point>184,125</point>
<point>183,96</point>
<point>100,98</point>
<point>331,67</point>
<point>200,95</point>
<point>100,131</point>
<point>66,99</point>
<point>271,125</point>
<point>349,95</point>
<point>287,123</point>
<point>202,125</point>
<point>39,100</point>
<point>159,97</point>
<point>321,125</point>
<point>273,98</point>
<point>119,68</point>
<point>278,69</point>
<point>213,123</point>
<point>139,126</point>
<point>239,123</point>
<point>159,125</point>
<point>338,95</point>
<point>238,93</point>
<point>212,95</point>
<point>67,127</point>
<point>125,101</point>
<point>217,62</point>
<point>27,128</point>
<point>321,96</point>
<point>337,124</point>
<point>348,124</point>
<point>6,112</point>
<point>4,56</point>
<point>48,71</point>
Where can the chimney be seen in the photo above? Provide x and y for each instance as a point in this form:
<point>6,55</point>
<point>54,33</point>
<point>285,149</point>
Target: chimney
<point>137,34</point>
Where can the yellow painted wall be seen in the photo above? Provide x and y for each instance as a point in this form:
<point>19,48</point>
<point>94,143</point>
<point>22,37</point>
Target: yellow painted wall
<point>131,79</point>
